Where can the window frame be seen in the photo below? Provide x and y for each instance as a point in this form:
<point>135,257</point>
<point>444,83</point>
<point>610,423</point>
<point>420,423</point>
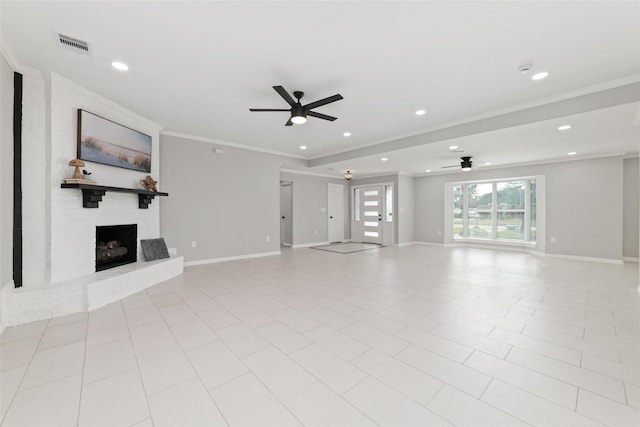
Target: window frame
<point>465,238</point>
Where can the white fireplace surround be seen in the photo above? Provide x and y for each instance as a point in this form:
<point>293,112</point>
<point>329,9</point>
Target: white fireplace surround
<point>58,233</point>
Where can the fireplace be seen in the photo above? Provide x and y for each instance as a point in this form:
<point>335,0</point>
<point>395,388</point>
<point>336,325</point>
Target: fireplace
<point>116,245</point>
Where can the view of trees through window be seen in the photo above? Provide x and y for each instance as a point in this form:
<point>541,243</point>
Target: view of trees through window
<point>497,210</point>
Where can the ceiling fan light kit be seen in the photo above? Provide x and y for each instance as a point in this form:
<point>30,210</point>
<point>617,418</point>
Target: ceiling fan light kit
<point>298,111</point>
<point>466,163</point>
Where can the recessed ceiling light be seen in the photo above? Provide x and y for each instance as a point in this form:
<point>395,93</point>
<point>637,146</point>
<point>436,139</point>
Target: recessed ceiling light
<point>303,147</point>
<point>384,159</point>
<point>453,147</point>
<point>564,127</point>
<point>539,76</point>
<point>421,112</point>
<point>571,153</point>
<point>428,170</point>
<point>119,66</point>
<point>346,134</point>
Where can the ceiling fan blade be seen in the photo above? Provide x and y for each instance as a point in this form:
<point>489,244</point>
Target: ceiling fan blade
<point>283,93</point>
<point>269,109</point>
<point>321,116</point>
<point>324,101</point>
<point>289,122</point>
<point>452,166</point>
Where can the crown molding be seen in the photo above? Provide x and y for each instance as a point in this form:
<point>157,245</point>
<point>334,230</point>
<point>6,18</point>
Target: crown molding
<point>300,172</point>
<point>183,135</point>
<point>8,54</point>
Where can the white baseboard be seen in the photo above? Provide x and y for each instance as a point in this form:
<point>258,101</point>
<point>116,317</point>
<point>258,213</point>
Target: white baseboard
<point>587,258</point>
<point>417,242</point>
<point>529,250</point>
<point>230,258</point>
<point>308,245</point>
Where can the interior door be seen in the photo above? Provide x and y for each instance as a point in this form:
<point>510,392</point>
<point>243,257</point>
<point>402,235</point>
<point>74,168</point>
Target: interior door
<point>371,208</point>
<point>286,212</point>
<point>335,210</point>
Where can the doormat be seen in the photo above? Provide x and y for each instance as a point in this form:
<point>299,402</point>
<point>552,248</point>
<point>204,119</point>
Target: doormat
<point>347,248</point>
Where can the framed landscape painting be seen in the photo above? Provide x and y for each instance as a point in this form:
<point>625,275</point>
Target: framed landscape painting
<point>103,141</point>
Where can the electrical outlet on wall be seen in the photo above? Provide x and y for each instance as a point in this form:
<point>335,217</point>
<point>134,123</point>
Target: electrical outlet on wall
<point>439,232</point>
<point>553,239</point>
<point>194,244</point>
<point>268,238</point>
<point>316,232</point>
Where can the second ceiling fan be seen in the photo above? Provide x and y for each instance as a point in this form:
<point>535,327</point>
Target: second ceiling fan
<point>298,111</point>
<point>465,164</point>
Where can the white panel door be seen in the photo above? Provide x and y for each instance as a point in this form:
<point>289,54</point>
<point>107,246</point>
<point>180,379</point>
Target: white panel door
<point>336,213</point>
<point>286,212</point>
<point>371,211</point>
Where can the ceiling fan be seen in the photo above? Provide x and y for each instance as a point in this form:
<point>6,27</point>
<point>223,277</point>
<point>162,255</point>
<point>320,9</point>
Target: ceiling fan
<point>298,111</point>
<point>465,164</point>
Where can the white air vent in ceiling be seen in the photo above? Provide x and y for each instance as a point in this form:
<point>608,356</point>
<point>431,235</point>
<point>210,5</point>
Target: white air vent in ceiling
<point>74,44</point>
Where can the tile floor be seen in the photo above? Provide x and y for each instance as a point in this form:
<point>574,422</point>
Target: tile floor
<point>412,336</point>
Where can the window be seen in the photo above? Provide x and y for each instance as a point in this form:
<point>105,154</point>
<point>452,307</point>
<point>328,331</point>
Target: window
<point>502,210</point>
<point>510,215</point>
<point>479,210</point>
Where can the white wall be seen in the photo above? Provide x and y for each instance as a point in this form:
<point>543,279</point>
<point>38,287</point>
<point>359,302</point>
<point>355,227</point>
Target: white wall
<point>405,215</point>
<point>310,197</point>
<point>72,226</point>
<point>6,172</point>
<point>6,182</point>
<point>584,203</point>
<point>631,203</point>
<point>36,167</point>
<point>227,203</point>
<point>58,233</point>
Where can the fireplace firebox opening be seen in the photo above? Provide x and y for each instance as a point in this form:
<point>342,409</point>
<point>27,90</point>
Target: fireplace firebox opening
<point>116,245</point>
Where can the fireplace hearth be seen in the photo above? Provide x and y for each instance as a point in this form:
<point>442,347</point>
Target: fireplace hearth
<point>116,245</point>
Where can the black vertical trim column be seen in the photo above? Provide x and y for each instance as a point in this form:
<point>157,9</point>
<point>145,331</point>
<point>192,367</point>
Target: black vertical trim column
<point>17,179</point>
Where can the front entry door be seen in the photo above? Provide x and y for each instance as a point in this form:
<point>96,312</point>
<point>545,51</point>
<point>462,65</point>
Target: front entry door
<point>371,207</point>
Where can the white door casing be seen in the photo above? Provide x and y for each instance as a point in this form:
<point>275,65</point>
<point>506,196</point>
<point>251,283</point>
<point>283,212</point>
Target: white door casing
<point>335,203</point>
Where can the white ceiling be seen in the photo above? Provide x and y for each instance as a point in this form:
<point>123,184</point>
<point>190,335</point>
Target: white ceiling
<point>197,67</point>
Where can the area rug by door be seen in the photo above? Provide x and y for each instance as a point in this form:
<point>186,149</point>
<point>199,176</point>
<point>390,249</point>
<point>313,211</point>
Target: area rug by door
<point>347,248</point>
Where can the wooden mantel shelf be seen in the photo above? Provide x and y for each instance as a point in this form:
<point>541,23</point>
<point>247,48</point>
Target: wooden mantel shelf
<point>92,194</point>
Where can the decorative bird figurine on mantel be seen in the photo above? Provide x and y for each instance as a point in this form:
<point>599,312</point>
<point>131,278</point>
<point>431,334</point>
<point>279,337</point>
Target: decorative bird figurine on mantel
<point>78,177</point>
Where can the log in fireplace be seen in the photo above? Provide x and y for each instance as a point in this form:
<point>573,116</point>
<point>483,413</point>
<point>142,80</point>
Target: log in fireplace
<point>116,245</point>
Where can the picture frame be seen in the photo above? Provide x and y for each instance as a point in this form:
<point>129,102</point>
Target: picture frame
<point>104,141</point>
